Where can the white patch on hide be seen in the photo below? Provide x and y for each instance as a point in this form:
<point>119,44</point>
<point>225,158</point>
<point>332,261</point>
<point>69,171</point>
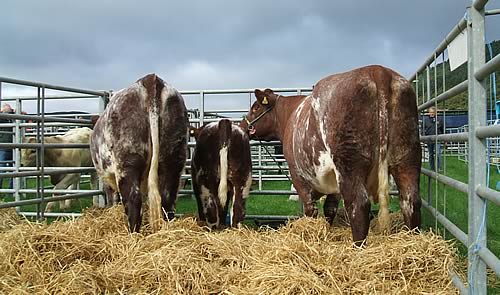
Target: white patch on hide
<point>327,175</point>
<point>248,185</point>
<point>205,198</point>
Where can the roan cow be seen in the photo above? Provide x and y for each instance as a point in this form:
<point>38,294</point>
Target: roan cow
<point>344,139</point>
<point>139,148</point>
<point>59,157</point>
<point>221,170</point>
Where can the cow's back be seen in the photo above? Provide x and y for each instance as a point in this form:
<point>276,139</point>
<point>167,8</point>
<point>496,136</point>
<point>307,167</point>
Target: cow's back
<point>80,135</point>
<point>366,110</point>
<point>122,134</point>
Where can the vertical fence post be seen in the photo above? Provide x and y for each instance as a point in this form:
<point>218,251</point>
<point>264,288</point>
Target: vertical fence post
<point>17,154</point>
<point>202,107</point>
<point>102,199</point>
<point>477,150</point>
<point>260,166</point>
<point>429,179</point>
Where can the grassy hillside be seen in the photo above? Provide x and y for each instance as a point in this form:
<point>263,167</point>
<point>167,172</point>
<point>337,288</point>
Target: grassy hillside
<point>453,78</point>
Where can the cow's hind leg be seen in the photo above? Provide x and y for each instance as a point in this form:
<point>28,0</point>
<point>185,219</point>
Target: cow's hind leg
<point>169,187</point>
<point>330,207</point>
<point>129,186</point>
<point>407,178</point>
<point>358,205</point>
<point>237,206</point>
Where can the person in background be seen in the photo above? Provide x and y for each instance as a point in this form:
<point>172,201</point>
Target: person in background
<point>6,135</point>
<point>433,125</point>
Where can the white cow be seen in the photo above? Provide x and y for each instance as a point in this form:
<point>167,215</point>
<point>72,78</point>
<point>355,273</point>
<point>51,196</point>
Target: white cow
<point>77,157</point>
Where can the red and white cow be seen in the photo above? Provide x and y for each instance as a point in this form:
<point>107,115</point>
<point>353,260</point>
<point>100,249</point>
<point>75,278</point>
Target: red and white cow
<point>344,139</point>
<point>139,147</point>
<point>221,170</point>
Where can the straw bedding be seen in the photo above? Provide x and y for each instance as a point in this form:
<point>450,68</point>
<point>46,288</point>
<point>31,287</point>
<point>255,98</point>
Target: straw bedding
<point>94,254</point>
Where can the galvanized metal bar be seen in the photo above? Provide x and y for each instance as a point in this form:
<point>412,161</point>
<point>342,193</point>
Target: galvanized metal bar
<point>492,12</point>
<point>488,131</point>
<point>490,259</point>
<point>443,63</point>
<point>202,108</point>
<point>39,181</point>
<point>16,180</point>
<point>267,143</point>
<point>49,199</point>
<point>49,86</point>
<point>242,91</point>
<point>48,191</point>
<point>489,194</point>
<point>452,92</point>
<point>458,185</point>
<point>477,148</point>
<point>55,97</point>
<point>416,90</point>
<point>455,137</point>
<point>50,124</point>
<point>228,111</point>
<point>457,282</point>
<point>47,172</point>
<point>442,46</point>
<point>452,228</point>
<point>491,66</point>
<point>49,167</point>
<point>42,149</point>
<point>428,82</point>
<point>46,119</point>
<point>479,5</point>
<point>260,164</point>
<point>46,145</point>
<point>207,120</point>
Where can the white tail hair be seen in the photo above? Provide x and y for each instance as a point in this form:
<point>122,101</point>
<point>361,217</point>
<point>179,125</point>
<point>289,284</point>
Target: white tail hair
<point>154,198</point>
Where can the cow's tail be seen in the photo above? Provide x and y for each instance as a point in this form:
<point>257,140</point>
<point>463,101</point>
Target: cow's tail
<point>225,138</point>
<point>154,198</point>
<point>383,164</point>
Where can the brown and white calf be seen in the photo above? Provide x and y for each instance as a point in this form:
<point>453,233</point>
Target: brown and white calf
<point>221,170</point>
<point>64,158</point>
<point>344,139</point>
<point>139,148</point>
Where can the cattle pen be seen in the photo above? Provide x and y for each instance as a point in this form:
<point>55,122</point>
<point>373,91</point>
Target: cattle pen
<point>269,165</point>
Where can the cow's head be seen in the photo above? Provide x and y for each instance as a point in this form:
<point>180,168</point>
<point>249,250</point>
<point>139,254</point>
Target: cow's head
<point>28,156</point>
<point>260,122</point>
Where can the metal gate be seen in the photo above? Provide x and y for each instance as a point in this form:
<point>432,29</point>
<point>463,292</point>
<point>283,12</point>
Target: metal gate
<point>41,126</point>
<point>479,256</point>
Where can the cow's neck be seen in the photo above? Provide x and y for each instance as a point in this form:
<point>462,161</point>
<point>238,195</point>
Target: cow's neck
<point>285,108</point>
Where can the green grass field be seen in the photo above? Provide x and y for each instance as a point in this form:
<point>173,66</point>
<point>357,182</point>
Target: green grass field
<point>454,204</point>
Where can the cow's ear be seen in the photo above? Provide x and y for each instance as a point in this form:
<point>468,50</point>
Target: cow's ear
<point>193,131</point>
<point>265,97</point>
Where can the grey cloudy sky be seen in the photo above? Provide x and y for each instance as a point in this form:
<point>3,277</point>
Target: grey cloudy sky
<point>102,44</point>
